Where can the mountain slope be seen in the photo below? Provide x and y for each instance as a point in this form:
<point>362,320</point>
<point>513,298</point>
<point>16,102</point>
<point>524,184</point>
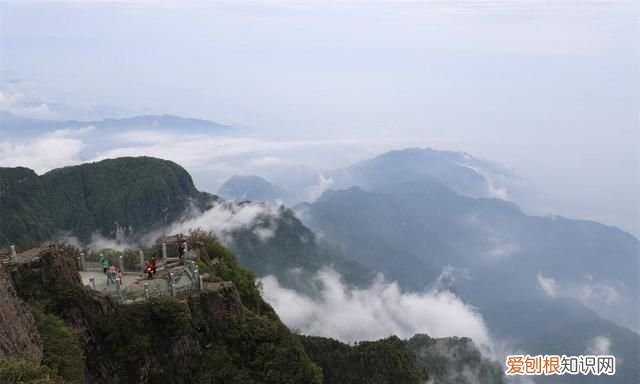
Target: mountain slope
<point>499,259</point>
<point>125,196</point>
<point>411,231</point>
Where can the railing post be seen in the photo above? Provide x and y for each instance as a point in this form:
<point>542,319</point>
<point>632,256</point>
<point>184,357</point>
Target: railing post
<point>79,263</point>
<point>172,283</point>
<point>142,262</point>
<point>83,264</point>
<point>146,291</point>
<point>92,283</point>
<point>118,289</point>
<point>164,252</point>
<point>14,255</point>
<point>196,278</point>
<point>121,262</point>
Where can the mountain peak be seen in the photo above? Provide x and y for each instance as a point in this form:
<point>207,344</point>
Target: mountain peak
<point>251,187</point>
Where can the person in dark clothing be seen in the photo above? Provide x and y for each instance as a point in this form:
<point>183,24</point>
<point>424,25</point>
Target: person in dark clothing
<point>180,251</point>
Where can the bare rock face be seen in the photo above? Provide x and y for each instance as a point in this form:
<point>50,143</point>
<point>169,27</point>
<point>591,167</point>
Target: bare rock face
<point>18,333</point>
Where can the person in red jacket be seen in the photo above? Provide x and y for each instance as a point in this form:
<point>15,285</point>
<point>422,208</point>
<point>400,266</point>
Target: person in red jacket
<point>148,269</point>
<point>154,264</point>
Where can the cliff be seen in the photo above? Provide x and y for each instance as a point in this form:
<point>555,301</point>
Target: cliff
<point>212,337</point>
<point>18,334</point>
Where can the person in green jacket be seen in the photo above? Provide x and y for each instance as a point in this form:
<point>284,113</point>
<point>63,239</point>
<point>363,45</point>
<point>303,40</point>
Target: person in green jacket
<point>105,265</point>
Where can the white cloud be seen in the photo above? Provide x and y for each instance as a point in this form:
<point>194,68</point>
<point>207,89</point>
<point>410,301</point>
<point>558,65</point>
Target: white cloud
<point>41,154</point>
<point>73,132</point>
<point>588,291</point>
<point>377,311</point>
<point>599,345</point>
<point>317,190</point>
<point>501,249</point>
<point>493,188</point>
<point>224,218</point>
<point>548,285</point>
<point>24,104</point>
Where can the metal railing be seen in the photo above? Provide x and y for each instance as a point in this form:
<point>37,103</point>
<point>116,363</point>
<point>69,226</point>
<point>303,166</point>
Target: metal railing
<point>9,256</point>
<point>177,284</point>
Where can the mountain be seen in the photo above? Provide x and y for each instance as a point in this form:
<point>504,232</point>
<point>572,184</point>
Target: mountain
<point>459,171</point>
<point>279,244</point>
<point>224,334</point>
<point>12,125</point>
<point>68,333</point>
<point>253,188</point>
<point>423,234</point>
<point>125,196</point>
<point>412,231</point>
<point>566,327</point>
<point>128,198</point>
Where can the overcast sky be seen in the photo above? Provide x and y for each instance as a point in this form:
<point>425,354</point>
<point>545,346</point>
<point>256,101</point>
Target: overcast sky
<point>548,89</point>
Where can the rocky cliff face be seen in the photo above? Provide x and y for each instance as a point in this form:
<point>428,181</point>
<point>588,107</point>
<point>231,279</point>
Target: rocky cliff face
<point>18,334</point>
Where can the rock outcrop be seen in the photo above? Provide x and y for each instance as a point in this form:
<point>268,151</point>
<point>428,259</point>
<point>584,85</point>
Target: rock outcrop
<point>207,337</point>
<point>18,333</point>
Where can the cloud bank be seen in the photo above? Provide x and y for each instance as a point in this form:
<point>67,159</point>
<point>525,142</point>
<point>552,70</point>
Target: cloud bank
<point>44,153</point>
<point>223,218</point>
<point>375,312</point>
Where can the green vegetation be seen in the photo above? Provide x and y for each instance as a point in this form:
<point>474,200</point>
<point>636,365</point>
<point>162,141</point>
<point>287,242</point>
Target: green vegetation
<point>18,371</point>
<point>25,216</point>
<point>258,350</point>
<point>217,260</point>
<point>372,362</point>
<point>147,334</point>
<point>63,352</point>
<point>455,360</point>
<point>131,195</point>
<point>228,335</point>
<point>291,245</point>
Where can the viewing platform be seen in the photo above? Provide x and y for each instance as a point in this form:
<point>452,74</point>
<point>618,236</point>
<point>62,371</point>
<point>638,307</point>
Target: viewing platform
<point>125,279</point>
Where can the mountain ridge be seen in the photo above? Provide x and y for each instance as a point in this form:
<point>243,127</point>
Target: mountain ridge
<point>10,124</point>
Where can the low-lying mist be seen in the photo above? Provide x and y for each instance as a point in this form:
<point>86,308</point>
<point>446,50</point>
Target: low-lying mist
<point>374,312</point>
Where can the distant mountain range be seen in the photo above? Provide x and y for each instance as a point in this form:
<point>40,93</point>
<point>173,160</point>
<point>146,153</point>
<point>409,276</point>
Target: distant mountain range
<point>130,196</point>
<point>17,126</point>
<point>421,217</point>
<point>545,284</point>
<point>462,173</point>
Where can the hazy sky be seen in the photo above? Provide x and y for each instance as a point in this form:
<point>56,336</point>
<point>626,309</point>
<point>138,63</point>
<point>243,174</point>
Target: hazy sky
<point>547,88</point>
